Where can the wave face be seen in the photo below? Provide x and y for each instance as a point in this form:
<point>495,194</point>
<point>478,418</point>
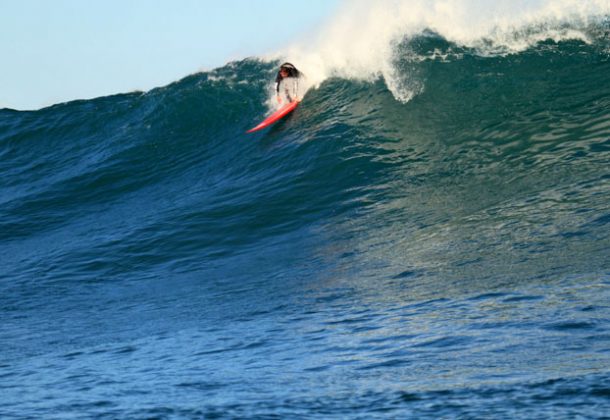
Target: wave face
<point>445,256</point>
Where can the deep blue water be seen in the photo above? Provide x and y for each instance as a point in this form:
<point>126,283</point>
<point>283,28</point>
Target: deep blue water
<point>363,258</point>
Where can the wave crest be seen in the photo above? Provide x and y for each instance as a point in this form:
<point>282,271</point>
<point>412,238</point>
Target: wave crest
<point>360,41</point>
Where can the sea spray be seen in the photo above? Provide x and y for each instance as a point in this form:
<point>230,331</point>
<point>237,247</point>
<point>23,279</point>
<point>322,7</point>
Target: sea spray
<point>360,41</point>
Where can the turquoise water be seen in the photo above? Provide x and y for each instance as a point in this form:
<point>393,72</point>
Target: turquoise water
<point>447,257</point>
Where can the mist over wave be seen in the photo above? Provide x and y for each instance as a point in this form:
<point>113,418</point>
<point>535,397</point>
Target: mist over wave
<point>365,40</point>
<point>440,255</point>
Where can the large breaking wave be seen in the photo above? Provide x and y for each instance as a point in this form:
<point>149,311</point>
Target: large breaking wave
<point>364,255</point>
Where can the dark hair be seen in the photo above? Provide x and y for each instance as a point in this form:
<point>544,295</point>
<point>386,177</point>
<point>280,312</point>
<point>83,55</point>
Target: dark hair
<point>290,69</point>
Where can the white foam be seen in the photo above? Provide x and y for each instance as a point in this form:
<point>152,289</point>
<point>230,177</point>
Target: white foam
<point>359,41</point>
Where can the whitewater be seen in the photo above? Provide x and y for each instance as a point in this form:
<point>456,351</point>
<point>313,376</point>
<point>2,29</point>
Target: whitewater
<point>425,236</point>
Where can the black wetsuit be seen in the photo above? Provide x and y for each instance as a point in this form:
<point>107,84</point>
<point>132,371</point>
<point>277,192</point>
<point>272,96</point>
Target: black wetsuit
<point>292,72</point>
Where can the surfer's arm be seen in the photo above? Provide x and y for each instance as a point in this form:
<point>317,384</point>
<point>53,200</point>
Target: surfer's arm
<point>278,79</point>
<point>277,92</point>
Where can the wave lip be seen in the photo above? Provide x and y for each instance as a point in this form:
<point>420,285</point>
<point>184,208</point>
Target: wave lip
<point>359,42</point>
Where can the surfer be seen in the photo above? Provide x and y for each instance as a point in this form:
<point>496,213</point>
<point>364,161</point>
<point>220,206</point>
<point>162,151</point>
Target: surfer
<point>288,71</point>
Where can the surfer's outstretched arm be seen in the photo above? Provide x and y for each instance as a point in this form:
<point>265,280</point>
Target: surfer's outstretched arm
<point>278,80</point>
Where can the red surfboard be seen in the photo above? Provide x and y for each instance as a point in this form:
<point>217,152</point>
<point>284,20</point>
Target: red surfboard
<point>280,113</point>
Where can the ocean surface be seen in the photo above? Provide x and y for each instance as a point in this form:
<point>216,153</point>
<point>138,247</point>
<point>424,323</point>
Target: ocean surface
<point>446,256</point>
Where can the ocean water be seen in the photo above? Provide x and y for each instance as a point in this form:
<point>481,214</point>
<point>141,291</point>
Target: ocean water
<point>444,254</point>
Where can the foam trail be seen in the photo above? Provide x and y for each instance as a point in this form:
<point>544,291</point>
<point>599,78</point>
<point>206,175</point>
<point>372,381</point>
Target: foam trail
<point>359,41</point>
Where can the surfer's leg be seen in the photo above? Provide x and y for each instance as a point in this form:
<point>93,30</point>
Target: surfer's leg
<point>288,96</point>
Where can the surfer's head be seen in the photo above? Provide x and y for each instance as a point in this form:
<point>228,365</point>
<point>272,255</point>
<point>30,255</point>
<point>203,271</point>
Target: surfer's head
<point>287,69</point>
